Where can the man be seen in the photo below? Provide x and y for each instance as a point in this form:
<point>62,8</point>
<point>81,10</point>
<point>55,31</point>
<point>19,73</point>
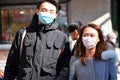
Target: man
<point>111,40</point>
<point>45,54</point>
<point>73,30</point>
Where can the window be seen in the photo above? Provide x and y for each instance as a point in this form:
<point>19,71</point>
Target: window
<point>16,17</point>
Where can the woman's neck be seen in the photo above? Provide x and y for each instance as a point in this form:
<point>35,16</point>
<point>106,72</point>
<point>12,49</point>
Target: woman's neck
<point>90,53</point>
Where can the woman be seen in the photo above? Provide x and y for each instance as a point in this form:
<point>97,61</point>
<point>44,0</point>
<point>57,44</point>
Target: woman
<point>87,64</point>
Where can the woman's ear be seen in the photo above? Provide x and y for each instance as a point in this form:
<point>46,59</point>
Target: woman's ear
<point>98,40</point>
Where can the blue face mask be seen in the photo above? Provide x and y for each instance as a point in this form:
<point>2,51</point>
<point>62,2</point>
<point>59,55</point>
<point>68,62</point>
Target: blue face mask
<point>46,18</point>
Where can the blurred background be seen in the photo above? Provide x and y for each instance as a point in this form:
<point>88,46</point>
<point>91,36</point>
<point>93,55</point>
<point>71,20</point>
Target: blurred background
<point>15,14</point>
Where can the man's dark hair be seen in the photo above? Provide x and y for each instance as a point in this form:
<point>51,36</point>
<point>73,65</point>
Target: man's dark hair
<point>54,2</point>
<point>75,26</point>
<point>72,28</point>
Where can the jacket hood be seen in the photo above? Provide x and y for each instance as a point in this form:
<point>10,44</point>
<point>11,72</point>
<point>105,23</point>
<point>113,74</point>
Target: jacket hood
<point>109,54</point>
<point>34,24</point>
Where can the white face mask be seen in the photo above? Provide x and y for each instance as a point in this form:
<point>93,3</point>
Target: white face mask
<point>89,42</point>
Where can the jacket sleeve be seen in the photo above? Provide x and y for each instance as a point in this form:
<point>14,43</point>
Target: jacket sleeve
<point>112,70</point>
<point>63,63</point>
<point>12,63</point>
<point>72,73</point>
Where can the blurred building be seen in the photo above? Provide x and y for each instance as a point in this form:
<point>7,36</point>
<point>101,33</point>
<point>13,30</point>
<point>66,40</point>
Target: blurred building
<point>15,14</point>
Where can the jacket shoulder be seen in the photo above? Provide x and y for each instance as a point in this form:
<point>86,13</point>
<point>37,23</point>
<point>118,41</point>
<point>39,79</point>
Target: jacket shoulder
<point>20,31</point>
<point>60,34</point>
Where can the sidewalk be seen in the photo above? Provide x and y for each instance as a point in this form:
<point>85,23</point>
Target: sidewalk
<point>118,53</point>
<point>118,76</point>
<point>5,46</point>
<point>4,50</point>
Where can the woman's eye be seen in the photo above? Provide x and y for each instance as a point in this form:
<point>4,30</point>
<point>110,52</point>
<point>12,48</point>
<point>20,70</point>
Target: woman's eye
<point>84,35</point>
<point>92,35</point>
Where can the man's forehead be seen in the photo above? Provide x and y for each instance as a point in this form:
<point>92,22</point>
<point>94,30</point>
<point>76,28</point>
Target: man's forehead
<point>48,6</point>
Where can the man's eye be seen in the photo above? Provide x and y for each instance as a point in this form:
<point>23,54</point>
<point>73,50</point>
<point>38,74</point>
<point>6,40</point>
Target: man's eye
<point>43,10</point>
<point>52,12</point>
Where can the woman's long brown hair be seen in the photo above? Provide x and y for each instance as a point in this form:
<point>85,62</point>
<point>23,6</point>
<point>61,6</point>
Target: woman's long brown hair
<point>100,47</point>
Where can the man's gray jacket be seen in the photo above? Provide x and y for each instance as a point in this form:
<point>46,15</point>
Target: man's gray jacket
<point>44,48</point>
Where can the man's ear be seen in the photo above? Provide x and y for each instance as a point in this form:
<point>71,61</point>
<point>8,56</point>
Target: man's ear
<point>37,11</point>
<point>56,14</point>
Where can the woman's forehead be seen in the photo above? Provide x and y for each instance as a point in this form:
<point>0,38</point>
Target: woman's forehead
<point>90,30</point>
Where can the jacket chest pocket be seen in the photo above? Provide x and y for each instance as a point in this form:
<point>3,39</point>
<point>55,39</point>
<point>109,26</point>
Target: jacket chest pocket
<point>53,49</point>
<point>28,47</point>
